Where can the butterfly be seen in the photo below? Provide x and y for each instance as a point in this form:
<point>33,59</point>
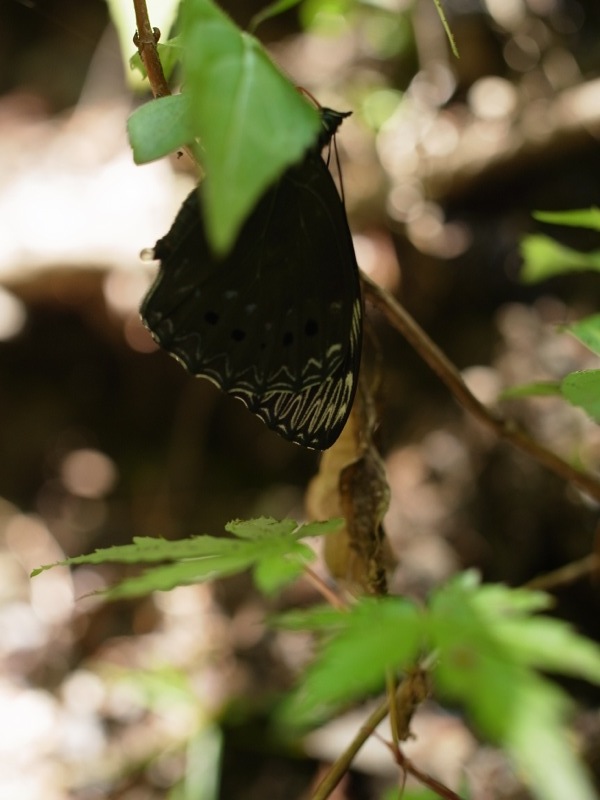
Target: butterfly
<point>277,322</point>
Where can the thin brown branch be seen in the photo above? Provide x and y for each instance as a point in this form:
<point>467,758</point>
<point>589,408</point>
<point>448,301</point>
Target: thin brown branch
<point>439,788</point>
<point>329,594</point>
<point>145,40</point>
<point>567,574</point>
<point>342,765</point>
<point>506,429</point>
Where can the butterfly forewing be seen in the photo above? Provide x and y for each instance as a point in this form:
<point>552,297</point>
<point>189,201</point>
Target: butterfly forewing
<point>276,323</point>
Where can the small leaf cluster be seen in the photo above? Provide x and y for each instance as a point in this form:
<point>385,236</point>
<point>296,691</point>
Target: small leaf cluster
<point>248,119</point>
<point>489,646</point>
<point>543,258</point>
<point>270,548</point>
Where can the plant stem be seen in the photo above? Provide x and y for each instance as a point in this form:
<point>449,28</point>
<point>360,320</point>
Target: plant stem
<point>342,765</point>
<point>505,428</point>
<point>145,40</point>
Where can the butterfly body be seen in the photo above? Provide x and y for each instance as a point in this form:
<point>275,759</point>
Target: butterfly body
<point>277,322</point>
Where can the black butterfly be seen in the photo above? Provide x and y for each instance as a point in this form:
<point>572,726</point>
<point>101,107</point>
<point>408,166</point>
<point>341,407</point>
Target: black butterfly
<point>277,322</point>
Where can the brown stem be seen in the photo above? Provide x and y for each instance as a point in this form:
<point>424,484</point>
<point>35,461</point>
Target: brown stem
<point>505,428</point>
<point>329,594</point>
<point>342,765</point>
<point>439,788</point>
<point>145,40</point>
<point>567,574</point>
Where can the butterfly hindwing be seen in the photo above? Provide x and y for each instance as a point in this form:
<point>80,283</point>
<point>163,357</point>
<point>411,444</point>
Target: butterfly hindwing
<point>277,322</point>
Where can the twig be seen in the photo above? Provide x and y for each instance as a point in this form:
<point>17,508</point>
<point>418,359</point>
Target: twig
<point>567,574</point>
<point>505,428</point>
<point>329,594</point>
<point>342,765</point>
<point>439,788</point>
<point>145,40</point>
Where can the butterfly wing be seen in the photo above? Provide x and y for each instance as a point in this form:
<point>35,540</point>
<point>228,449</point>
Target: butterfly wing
<point>277,323</point>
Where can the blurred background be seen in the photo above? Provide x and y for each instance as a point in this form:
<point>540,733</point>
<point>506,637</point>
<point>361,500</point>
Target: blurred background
<point>104,438</point>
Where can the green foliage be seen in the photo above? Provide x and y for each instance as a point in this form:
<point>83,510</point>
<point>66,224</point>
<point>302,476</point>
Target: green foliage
<point>270,547</point>
<point>543,258</point>
<point>363,643</point>
<point>583,389</point>
<point>489,648</point>
<point>203,766</point>
<point>158,128</point>
<point>489,643</point>
<point>577,218</point>
<point>251,121</point>
<point>536,389</point>
<point>587,331</point>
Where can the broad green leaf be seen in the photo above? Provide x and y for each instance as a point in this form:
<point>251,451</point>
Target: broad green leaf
<point>537,389</point>
<point>369,639</point>
<point>587,331</point>
<point>583,389</point>
<point>251,121</point>
<point>575,218</point>
<point>544,258</point>
<point>484,662</point>
<point>272,10</point>
<point>159,127</point>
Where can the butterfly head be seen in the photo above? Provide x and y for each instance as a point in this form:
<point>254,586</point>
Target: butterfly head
<point>330,122</point>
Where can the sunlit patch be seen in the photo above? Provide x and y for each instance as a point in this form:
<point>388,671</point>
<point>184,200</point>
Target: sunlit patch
<point>12,315</point>
<point>88,473</point>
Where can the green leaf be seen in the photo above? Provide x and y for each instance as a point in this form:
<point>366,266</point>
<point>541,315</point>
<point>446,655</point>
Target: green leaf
<point>583,389</point>
<point>312,619</point>
<point>159,127</point>
<point>574,218</point>
<point>540,746</point>
<point>537,389</point>
<point>486,644</point>
<point>366,641</point>
<point>271,574</point>
<point>148,549</point>
<point>544,258</point>
<point>551,645</point>
<point>182,573</point>
<point>251,121</point>
<point>587,331</point>
<point>272,10</point>
<point>270,547</point>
